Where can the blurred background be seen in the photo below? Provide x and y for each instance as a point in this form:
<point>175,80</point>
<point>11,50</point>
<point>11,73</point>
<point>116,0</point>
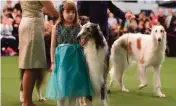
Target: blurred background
<point>147,12</point>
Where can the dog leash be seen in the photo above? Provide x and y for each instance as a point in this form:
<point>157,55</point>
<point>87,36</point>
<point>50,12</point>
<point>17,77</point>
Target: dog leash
<point>127,50</point>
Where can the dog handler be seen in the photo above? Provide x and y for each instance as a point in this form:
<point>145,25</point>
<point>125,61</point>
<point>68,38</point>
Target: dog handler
<point>31,43</point>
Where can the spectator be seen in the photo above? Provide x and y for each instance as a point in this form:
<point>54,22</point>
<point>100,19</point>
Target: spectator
<point>133,27</point>
<point>111,20</point>
<point>7,39</point>
<point>18,7</point>
<point>171,38</point>
<point>141,28</point>
<point>153,18</point>
<point>147,26</point>
<point>127,21</point>
<point>161,17</point>
<point>15,25</point>
<point>141,16</point>
<point>9,4</point>
<point>7,12</point>
<point>169,17</point>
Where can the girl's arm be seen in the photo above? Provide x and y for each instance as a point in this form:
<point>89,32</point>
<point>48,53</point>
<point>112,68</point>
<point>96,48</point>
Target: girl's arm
<point>53,43</point>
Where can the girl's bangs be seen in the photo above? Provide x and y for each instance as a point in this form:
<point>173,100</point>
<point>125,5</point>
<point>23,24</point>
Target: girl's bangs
<point>69,6</point>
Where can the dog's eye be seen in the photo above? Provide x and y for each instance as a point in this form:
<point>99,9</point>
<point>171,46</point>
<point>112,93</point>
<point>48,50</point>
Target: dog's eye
<point>161,31</point>
<point>88,29</point>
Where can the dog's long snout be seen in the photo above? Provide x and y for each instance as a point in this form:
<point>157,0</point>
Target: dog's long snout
<point>78,36</point>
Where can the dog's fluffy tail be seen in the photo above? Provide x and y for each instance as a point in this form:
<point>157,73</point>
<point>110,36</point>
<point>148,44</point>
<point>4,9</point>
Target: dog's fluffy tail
<point>119,61</point>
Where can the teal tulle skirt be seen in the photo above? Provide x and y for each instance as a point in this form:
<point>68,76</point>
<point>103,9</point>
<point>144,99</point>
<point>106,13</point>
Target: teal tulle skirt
<point>70,76</point>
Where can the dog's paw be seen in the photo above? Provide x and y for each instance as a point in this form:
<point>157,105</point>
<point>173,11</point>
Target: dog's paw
<point>161,95</point>
<point>21,97</point>
<point>141,86</point>
<point>81,103</point>
<point>42,99</point>
<point>125,90</point>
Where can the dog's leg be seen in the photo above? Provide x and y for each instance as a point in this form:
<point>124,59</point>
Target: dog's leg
<point>142,76</point>
<point>110,84</point>
<point>71,101</point>
<point>40,79</point>
<point>41,98</point>
<point>116,74</point>
<point>21,93</point>
<point>21,86</point>
<point>82,101</point>
<point>120,79</point>
<point>103,95</point>
<point>89,101</point>
<point>61,102</point>
<point>157,82</point>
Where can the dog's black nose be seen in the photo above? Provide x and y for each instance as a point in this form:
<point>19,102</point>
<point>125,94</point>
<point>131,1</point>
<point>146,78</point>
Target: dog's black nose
<point>159,40</point>
<point>78,37</point>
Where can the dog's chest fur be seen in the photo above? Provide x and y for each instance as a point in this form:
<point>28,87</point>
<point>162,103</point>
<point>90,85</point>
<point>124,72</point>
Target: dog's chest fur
<point>155,57</point>
<point>151,53</point>
<point>95,59</point>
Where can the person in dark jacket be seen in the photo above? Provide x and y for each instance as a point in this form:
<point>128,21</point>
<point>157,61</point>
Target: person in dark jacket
<point>97,12</point>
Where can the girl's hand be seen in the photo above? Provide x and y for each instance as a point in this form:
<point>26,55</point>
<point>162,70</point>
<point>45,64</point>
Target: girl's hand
<point>52,67</point>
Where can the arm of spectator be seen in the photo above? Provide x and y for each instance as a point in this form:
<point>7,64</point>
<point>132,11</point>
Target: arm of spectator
<point>49,9</point>
<point>82,7</point>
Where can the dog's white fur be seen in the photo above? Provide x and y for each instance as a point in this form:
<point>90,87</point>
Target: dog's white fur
<point>96,63</point>
<point>151,53</point>
<point>95,59</point>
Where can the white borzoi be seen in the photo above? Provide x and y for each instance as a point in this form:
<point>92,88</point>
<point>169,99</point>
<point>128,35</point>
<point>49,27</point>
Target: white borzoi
<point>146,50</point>
<point>96,53</point>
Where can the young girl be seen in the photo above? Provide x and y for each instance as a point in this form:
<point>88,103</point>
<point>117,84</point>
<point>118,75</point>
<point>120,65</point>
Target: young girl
<point>69,78</point>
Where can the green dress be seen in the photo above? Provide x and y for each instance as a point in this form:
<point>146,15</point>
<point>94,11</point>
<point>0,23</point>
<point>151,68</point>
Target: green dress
<point>70,76</point>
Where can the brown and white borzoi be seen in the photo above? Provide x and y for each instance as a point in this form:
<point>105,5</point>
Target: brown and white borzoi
<point>146,50</point>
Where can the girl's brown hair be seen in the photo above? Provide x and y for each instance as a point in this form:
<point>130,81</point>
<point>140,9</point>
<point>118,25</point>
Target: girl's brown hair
<point>67,5</point>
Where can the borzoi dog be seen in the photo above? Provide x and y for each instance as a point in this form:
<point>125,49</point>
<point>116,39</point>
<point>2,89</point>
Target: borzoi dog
<point>146,50</point>
<point>96,51</point>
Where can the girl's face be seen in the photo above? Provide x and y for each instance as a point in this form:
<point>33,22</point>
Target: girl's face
<point>69,15</point>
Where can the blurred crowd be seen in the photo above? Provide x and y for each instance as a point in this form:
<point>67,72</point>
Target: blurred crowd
<point>11,17</point>
<point>143,24</point>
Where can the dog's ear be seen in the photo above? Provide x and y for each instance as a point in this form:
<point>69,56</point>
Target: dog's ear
<point>153,29</point>
<point>96,26</point>
<point>84,19</point>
